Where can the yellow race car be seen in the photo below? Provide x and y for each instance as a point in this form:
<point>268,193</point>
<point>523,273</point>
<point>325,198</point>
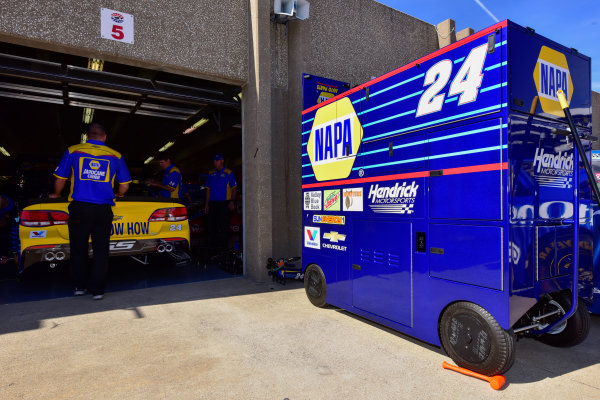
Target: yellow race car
<point>141,226</point>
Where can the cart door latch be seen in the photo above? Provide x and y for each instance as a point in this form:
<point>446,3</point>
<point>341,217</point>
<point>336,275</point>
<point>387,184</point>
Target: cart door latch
<point>356,267</point>
<point>421,242</point>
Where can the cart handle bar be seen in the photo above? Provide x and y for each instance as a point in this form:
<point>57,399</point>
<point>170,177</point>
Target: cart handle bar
<point>586,165</point>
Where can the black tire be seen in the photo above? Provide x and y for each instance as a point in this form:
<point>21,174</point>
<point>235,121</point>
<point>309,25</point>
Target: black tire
<point>474,339</point>
<point>576,329</point>
<point>315,285</point>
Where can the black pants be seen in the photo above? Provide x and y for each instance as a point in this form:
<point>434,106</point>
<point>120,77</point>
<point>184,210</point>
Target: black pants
<point>218,225</point>
<point>87,219</point>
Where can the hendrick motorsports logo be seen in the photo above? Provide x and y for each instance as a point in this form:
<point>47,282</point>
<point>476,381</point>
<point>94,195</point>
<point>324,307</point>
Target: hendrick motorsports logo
<point>397,199</point>
<point>553,170</point>
<point>334,140</point>
<point>551,73</point>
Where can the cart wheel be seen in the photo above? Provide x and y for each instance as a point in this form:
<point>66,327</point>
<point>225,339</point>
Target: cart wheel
<point>474,339</point>
<point>315,285</point>
<point>574,330</point>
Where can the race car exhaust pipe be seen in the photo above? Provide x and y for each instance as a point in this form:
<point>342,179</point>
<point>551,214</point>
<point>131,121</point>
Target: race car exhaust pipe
<point>60,256</point>
<point>168,248</point>
<point>160,248</point>
<point>49,256</point>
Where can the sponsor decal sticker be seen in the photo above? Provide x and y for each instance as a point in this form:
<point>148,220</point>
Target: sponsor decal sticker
<point>551,74</point>
<point>397,199</point>
<point>353,199</point>
<point>331,200</point>
<point>312,237</point>
<point>334,140</point>
<point>334,237</point>
<point>313,200</point>
<point>37,234</point>
<point>553,170</point>
<point>329,219</point>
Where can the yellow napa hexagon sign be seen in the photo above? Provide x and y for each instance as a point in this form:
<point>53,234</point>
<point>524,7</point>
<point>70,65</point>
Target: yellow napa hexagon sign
<point>551,73</point>
<point>334,140</point>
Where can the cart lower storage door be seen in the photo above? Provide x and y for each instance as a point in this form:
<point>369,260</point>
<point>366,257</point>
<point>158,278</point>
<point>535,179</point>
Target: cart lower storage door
<point>382,269</point>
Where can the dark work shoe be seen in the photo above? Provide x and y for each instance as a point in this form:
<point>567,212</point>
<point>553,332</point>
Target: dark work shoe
<point>98,296</point>
<point>79,292</point>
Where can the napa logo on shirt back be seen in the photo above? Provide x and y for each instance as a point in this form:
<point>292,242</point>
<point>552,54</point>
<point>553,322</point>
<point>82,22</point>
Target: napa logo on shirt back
<point>334,140</point>
<point>551,74</point>
<point>93,169</point>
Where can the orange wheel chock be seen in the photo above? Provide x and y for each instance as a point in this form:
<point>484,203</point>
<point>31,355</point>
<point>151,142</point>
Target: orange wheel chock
<point>496,381</point>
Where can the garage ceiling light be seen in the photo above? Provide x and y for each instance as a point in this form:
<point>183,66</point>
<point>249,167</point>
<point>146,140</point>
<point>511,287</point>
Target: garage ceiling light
<point>195,126</point>
<point>95,64</point>
<point>88,115</point>
<point>148,160</point>
<point>3,151</point>
<point>166,147</point>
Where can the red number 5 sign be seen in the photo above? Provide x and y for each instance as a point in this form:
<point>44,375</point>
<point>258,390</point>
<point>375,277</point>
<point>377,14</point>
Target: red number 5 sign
<point>116,25</point>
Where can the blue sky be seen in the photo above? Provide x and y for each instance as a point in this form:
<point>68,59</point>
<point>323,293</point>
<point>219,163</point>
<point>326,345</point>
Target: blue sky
<point>573,23</point>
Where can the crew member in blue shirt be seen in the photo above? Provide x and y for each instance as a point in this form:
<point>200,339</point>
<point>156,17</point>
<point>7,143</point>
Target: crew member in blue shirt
<point>171,186</point>
<point>221,190</point>
<point>92,168</point>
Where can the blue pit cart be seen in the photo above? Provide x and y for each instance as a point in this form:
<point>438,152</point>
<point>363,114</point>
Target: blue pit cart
<point>441,199</point>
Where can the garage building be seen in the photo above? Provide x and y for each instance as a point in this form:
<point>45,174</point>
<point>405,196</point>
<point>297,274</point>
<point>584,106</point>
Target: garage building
<point>233,62</point>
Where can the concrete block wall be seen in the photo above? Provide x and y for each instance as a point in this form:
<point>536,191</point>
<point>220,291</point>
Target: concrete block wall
<point>202,38</point>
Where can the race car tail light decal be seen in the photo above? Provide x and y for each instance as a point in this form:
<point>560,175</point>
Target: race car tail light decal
<point>169,214</point>
<point>43,218</point>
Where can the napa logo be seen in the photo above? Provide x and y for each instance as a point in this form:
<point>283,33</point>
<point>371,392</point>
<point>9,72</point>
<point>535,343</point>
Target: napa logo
<point>94,164</point>
<point>334,140</point>
<point>551,74</point>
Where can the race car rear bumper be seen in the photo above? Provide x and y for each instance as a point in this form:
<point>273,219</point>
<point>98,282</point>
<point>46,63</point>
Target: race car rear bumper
<point>62,252</point>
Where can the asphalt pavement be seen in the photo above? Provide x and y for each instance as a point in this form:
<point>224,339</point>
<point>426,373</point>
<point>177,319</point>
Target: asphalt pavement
<point>235,339</point>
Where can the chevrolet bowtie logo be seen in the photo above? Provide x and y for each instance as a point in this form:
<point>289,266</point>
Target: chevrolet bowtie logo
<point>334,237</point>
<point>117,217</point>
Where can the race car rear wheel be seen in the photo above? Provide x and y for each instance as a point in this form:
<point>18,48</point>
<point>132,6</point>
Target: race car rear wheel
<point>472,337</point>
<point>315,285</point>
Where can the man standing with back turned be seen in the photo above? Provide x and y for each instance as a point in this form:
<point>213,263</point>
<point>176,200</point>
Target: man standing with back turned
<point>92,167</point>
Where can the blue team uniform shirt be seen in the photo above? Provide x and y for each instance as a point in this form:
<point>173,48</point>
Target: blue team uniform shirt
<point>220,184</point>
<point>172,178</point>
<point>92,167</point>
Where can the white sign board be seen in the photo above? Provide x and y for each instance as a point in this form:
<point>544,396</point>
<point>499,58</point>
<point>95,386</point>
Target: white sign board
<point>116,25</point>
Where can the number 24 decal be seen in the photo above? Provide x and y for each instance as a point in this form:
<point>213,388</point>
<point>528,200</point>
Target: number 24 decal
<point>466,82</point>
<point>175,227</point>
